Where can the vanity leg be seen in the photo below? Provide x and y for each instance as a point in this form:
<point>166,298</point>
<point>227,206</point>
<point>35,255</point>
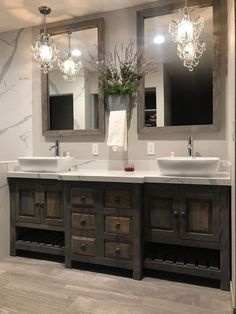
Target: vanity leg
<point>68,263</point>
<point>138,275</point>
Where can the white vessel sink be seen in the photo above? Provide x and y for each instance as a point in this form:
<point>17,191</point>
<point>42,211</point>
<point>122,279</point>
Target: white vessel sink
<point>188,166</point>
<point>45,164</point>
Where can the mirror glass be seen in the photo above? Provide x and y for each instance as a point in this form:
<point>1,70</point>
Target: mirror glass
<point>73,105</point>
<point>173,95</point>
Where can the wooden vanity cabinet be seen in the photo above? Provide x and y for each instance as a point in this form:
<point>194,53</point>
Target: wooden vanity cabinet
<point>103,224</point>
<point>167,227</point>
<point>187,230</point>
<point>37,209</point>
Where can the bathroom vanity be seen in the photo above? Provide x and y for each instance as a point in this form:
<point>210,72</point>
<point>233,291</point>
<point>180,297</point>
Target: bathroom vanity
<point>131,221</point>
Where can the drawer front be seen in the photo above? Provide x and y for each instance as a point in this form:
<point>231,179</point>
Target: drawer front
<point>118,250</point>
<point>118,225</point>
<point>118,198</point>
<point>83,246</point>
<point>82,197</point>
<point>83,221</point>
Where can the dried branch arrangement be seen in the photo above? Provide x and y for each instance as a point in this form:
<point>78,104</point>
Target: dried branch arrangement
<point>121,69</point>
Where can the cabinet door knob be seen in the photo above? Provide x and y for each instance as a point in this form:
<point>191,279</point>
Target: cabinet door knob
<point>83,199</point>
<point>83,247</point>
<point>83,222</point>
<point>36,204</point>
<point>117,200</point>
<point>117,251</point>
<point>42,204</point>
<point>117,226</point>
<point>176,213</point>
<point>182,214</point>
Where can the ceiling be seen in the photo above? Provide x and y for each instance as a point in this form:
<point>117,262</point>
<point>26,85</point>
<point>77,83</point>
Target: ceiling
<point>16,14</point>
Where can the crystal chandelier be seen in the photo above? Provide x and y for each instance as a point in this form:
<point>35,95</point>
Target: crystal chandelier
<point>44,50</point>
<point>69,65</point>
<point>185,31</point>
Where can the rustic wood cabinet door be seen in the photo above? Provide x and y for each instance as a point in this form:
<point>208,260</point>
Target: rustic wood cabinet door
<point>51,205</point>
<point>27,203</point>
<point>200,215</point>
<point>161,215</point>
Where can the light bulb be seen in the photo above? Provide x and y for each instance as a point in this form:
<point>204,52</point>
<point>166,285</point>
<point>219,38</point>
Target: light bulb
<point>185,31</point>
<point>69,66</point>
<point>76,53</point>
<point>45,53</point>
<point>159,39</point>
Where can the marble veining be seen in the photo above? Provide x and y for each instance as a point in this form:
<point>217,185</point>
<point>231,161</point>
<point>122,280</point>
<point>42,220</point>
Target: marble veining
<point>8,62</point>
<point>15,94</point>
<point>15,124</point>
<point>25,138</point>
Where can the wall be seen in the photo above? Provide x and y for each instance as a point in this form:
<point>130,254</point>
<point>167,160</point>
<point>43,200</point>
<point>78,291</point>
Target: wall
<point>208,144</point>
<point>15,94</point>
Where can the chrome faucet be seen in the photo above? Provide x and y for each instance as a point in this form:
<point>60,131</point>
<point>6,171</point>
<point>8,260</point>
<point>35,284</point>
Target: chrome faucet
<point>190,146</point>
<point>56,146</point>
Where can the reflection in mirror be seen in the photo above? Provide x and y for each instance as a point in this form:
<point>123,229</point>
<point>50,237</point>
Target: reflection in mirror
<point>174,99</point>
<point>173,95</point>
<point>73,105</point>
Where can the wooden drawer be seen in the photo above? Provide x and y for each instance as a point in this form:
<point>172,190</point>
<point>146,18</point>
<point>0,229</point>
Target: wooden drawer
<point>83,221</point>
<point>117,198</point>
<point>118,250</point>
<point>119,225</point>
<point>83,197</point>
<point>83,246</point>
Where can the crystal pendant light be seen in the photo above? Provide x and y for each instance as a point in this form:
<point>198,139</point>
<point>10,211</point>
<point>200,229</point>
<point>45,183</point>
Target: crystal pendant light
<point>69,65</point>
<point>185,31</point>
<point>44,50</point>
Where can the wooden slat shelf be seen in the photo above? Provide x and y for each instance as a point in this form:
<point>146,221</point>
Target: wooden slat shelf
<point>42,241</point>
<point>185,260</point>
<point>182,269</point>
<point>39,248</point>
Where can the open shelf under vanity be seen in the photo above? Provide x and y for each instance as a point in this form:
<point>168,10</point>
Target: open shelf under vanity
<point>42,241</point>
<point>183,259</point>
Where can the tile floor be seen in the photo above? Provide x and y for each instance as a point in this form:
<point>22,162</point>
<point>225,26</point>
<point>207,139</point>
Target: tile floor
<point>29,286</point>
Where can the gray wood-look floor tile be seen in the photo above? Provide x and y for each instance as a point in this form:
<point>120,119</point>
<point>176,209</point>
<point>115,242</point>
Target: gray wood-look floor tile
<point>29,286</point>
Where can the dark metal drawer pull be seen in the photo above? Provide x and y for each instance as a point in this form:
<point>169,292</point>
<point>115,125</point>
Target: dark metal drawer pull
<point>83,222</point>
<point>83,199</point>
<point>117,251</point>
<point>117,226</point>
<point>83,247</point>
<point>117,200</point>
<point>41,204</point>
<point>36,204</point>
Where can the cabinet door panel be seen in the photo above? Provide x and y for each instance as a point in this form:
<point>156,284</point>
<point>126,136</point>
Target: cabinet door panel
<point>27,204</point>
<point>161,212</point>
<point>52,206</point>
<point>200,216</point>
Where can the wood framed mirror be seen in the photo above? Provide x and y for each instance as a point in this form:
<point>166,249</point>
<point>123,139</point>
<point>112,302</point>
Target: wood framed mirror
<point>74,108</point>
<point>174,99</point>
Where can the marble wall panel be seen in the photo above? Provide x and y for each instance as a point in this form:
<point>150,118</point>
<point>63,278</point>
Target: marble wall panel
<point>15,94</point>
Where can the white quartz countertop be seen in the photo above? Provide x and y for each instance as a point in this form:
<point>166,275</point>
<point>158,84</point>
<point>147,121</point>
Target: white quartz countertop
<point>123,176</point>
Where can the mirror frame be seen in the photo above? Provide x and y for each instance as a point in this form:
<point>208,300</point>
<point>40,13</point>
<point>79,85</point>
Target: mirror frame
<point>73,25</point>
<point>219,64</point>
